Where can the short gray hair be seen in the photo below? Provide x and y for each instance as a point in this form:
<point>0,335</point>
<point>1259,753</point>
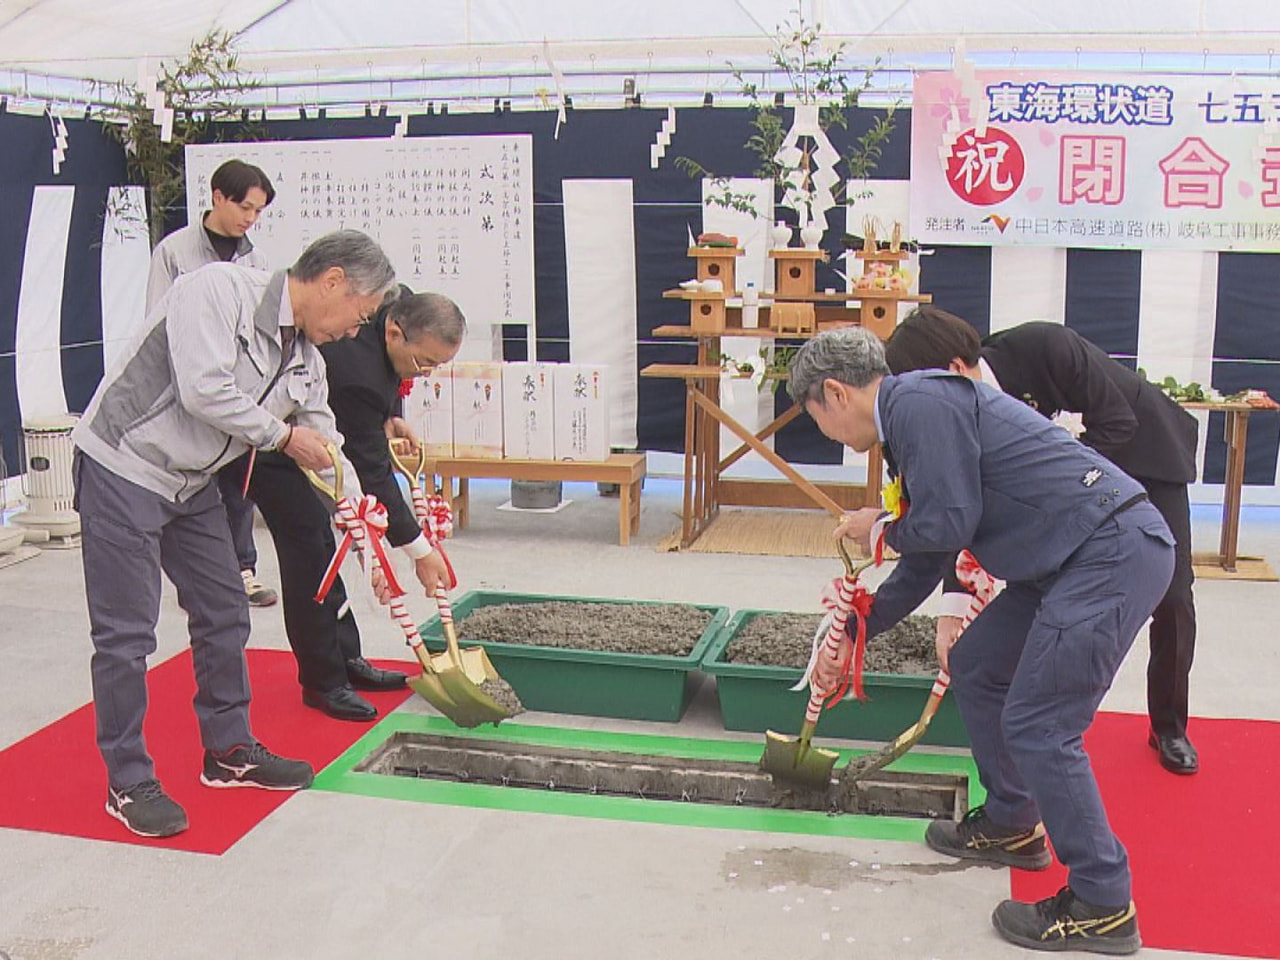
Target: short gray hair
<point>850,355</point>
<point>428,313</point>
<point>367,268</point>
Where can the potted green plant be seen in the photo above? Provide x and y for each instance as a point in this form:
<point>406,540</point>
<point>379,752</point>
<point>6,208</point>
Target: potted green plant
<point>203,90</point>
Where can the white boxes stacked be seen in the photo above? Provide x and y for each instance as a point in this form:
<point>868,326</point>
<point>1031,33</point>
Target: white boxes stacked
<point>429,411</point>
<point>477,410</point>
<point>582,412</point>
<point>520,411</point>
<point>528,411</point>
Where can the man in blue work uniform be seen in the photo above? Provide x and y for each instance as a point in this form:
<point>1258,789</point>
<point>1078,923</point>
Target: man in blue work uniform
<point>1129,421</point>
<point>1086,559</point>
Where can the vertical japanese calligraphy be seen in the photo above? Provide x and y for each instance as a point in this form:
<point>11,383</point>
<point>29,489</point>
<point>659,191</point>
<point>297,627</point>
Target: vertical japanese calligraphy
<point>451,212</point>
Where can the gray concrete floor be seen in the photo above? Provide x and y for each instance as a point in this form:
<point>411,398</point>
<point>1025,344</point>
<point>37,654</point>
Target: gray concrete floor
<point>331,875</point>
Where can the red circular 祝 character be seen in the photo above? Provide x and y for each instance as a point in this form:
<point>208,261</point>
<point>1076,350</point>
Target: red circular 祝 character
<point>985,170</point>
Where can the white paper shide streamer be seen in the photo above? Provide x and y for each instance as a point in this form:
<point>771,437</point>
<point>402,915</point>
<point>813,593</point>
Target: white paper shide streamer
<point>161,113</point>
<point>558,76</point>
<point>810,202</point>
<point>971,94</point>
<point>665,133</point>
<point>58,127</point>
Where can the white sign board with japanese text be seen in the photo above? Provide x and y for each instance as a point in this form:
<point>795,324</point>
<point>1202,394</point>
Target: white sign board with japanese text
<point>1096,160</point>
<point>454,214</point>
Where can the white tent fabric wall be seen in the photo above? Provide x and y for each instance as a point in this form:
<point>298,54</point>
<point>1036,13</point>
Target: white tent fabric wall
<point>1027,283</point>
<point>38,339</point>
<point>600,259</point>
<point>126,260</point>
<point>1177,307</point>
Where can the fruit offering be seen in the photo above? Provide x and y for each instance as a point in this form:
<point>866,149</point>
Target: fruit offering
<point>881,277</point>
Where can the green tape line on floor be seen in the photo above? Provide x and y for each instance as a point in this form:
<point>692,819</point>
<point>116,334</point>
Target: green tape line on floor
<point>339,777</point>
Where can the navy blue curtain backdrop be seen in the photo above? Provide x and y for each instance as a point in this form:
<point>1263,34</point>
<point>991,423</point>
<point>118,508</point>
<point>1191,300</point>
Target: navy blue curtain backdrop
<point>94,163</point>
<point>1102,289</point>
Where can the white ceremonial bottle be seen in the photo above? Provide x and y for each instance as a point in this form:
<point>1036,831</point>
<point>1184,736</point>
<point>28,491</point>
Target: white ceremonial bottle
<point>750,306</point>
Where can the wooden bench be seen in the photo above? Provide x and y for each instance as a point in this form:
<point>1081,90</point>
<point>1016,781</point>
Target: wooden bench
<point>627,470</point>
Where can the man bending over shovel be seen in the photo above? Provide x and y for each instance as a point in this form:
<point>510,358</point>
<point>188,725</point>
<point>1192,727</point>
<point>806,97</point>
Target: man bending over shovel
<point>1086,558</point>
<point>228,364</point>
<point>407,337</point>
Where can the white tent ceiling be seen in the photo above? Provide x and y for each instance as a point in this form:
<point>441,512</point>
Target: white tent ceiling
<point>336,51</point>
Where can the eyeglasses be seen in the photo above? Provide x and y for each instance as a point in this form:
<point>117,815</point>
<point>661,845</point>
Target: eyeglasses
<point>419,369</point>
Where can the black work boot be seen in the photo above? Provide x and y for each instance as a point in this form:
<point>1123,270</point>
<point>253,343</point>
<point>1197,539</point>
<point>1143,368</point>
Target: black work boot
<point>977,838</point>
<point>1065,922</point>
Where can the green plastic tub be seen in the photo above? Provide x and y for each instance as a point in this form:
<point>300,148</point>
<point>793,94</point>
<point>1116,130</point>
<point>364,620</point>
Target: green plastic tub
<point>594,683</point>
<point>758,698</point>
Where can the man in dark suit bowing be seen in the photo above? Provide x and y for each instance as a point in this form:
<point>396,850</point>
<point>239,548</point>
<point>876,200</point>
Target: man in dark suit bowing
<point>406,338</point>
<point>1085,558</point>
<point>1129,421</point>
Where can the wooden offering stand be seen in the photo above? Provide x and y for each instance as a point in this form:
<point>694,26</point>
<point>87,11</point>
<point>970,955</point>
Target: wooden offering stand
<point>795,311</point>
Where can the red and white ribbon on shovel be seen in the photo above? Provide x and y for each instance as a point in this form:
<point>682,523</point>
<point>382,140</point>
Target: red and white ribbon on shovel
<point>436,518</point>
<point>982,589</point>
<point>843,597</point>
<point>363,526</point>
<point>366,524</point>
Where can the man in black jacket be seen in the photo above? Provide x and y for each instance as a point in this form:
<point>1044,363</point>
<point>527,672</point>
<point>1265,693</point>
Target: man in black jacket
<point>408,337</point>
<point>1128,420</point>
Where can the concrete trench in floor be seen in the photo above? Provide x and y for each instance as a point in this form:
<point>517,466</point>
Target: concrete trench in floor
<point>661,779</point>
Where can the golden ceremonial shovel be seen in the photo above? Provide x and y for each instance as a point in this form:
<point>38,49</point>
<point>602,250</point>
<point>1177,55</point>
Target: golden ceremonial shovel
<point>427,684</point>
<point>479,692</point>
<point>796,760</point>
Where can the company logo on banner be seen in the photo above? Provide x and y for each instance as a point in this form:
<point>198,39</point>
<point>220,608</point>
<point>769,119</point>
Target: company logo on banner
<point>1096,160</point>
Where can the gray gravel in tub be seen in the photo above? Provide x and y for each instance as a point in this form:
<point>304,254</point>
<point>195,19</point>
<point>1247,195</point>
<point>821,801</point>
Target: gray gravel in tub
<point>658,629</point>
<point>786,640</point>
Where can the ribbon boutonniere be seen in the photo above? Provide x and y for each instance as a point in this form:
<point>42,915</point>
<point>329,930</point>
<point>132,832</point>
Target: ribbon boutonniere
<point>895,505</point>
<point>891,498</point>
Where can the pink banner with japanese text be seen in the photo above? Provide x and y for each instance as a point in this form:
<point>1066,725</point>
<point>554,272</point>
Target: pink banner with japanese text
<point>1096,160</point>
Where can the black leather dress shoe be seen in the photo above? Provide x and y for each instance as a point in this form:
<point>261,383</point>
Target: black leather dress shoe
<point>1177,755</point>
<point>341,703</point>
<point>365,676</point>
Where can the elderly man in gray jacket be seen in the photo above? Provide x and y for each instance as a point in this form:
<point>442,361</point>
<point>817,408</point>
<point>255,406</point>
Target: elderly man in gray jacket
<point>239,193</point>
<point>228,364</point>
<point>1085,557</point>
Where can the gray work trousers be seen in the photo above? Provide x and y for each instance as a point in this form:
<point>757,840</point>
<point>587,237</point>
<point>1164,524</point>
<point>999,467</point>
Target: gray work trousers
<point>130,535</point>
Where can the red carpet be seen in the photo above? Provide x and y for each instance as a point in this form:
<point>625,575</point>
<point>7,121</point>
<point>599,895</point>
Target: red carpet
<point>54,780</point>
<point>1203,849</point>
